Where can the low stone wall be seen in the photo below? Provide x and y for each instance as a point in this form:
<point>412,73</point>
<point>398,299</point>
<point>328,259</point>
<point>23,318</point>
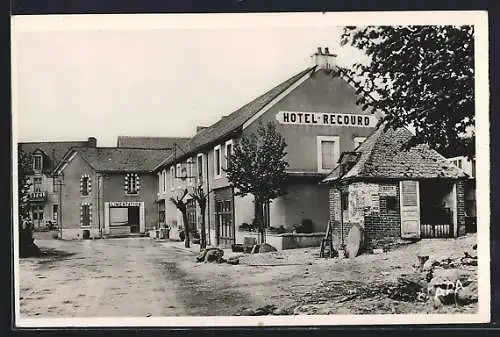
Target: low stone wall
<point>77,233</point>
<point>287,240</point>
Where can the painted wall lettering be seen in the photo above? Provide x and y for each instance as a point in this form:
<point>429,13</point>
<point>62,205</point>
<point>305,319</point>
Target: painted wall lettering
<point>321,118</point>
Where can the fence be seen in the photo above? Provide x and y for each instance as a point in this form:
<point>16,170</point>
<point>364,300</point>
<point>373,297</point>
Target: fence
<point>436,230</point>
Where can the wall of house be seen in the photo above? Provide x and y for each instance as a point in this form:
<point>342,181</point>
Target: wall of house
<point>319,93</point>
<point>72,200</point>
<point>52,198</point>
<point>306,201</point>
<point>367,207</point>
<point>470,198</point>
<point>460,191</point>
<point>113,191</point>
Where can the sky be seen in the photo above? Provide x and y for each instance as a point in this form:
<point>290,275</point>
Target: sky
<point>103,81</point>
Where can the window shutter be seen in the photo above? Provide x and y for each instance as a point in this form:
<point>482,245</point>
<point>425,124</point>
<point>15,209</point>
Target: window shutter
<point>410,209</point>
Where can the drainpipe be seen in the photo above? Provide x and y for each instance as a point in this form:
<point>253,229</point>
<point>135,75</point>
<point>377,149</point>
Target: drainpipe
<point>208,201</point>
<point>341,219</point>
<point>99,204</point>
<point>60,183</point>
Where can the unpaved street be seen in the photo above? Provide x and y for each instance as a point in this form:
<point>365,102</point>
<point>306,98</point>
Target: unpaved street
<point>117,277</point>
<point>143,277</point>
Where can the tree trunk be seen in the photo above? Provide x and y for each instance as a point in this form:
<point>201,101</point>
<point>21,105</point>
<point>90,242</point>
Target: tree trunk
<point>187,230</point>
<point>259,219</point>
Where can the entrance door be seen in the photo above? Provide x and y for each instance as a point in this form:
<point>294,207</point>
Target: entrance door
<point>133,219</point>
<point>224,218</point>
<point>410,209</point>
<point>37,215</point>
<point>191,215</point>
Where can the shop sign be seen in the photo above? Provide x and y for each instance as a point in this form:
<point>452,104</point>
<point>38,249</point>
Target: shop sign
<point>326,119</point>
<point>124,203</point>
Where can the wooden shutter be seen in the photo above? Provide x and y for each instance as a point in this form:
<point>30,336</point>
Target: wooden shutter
<point>410,209</point>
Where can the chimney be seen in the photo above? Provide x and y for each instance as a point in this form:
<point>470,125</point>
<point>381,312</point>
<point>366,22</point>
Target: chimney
<point>324,60</point>
<point>92,142</point>
<point>200,128</point>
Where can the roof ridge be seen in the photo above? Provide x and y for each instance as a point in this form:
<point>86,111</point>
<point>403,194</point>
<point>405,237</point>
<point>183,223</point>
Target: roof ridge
<point>190,146</point>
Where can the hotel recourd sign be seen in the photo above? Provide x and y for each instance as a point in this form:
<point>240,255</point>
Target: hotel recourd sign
<point>325,119</point>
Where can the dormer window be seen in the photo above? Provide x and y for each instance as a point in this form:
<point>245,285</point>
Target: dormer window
<point>131,183</point>
<point>37,163</point>
<point>85,185</point>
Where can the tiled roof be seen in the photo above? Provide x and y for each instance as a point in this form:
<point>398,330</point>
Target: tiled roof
<point>150,142</point>
<point>235,120</point>
<point>385,155</point>
<point>110,159</point>
<point>54,151</point>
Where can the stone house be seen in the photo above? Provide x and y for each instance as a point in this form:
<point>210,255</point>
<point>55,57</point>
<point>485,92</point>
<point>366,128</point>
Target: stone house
<point>108,191</point>
<point>395,192</point>
<point>44,190</point>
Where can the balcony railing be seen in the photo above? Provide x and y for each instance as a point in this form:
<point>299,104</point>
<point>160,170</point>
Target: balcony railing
<point>38,196</point>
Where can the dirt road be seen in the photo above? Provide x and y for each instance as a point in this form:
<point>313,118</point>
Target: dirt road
<point>142,277</point>
<point>118,277</point>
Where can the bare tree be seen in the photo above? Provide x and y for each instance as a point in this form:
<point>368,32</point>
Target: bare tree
<point>201,198</point>
<point>181,205</point>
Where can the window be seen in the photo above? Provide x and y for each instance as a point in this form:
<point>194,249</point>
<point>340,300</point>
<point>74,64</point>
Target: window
<point>85,185</point>
<point>37,213</point>
<point>55,187</point>
<point>131,183</point>
<point>391,204</point>
<point>199,168</point>
<point>459,163</point>
<point>85,215</point>
<point>172,177</point>
<point>328,152</point>
<point>358,141</point>
<point>178,174</point>
<point>164,180</point>
<point>228,153</point>
<point>189,169</point>
<point>55,211</point>
<point>345,201</point>
<point>37,163</point>
<point>37,184</point>
<point>217,162</point>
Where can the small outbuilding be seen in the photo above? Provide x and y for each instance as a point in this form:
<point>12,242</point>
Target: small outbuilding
<point>395,191</point>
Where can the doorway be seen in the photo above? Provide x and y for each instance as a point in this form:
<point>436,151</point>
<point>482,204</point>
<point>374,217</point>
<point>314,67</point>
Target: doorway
<point>133,219</point>
<point>37,215</point>
<point>437,209</point>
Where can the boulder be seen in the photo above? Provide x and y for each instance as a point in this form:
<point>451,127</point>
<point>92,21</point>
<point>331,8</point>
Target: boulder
<point>409,287</point>
<point>467,295</point>
<point>233,260</point>
<point>248,312</point>
<point>469,261</point>
<point>210,255</point>
<point>355,240</point>
<point>266,248</point>
<point>280,311</point>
